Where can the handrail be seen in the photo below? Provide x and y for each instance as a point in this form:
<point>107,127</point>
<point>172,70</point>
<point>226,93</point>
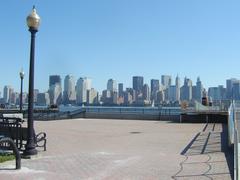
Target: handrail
<point>233,136</point>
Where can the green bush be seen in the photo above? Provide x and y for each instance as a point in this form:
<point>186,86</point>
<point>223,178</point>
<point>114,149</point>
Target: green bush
<point>6,157</point>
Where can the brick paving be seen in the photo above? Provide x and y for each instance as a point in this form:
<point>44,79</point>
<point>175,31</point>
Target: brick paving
<point>126,149</point>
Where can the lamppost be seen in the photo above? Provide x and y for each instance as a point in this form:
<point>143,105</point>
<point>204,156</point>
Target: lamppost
<point>33,21</point>
<point>21,90</point>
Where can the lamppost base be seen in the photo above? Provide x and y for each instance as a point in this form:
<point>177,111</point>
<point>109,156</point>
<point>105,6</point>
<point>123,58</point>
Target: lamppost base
<point>30,150</point>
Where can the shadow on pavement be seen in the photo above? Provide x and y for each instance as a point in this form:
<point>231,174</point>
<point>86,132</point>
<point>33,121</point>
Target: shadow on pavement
<point>207,155</point>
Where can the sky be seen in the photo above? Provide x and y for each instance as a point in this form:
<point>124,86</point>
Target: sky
<point>118,39</point>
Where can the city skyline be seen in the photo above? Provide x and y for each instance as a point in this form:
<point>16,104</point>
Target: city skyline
<point>61,79</point>
<point>111,84</point>
<point>122,39</point>
<point>129,80</point>
<point>162,91</point>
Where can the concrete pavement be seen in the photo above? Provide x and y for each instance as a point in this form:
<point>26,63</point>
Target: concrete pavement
<point>96,149</point>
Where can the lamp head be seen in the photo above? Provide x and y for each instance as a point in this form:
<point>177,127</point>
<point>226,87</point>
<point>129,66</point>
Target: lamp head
<point>21,74</point>
<point>33,20</point>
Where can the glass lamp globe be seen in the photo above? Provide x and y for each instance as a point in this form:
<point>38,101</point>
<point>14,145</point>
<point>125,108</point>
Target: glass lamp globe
<point>33,20</point>
<point>21,74</point>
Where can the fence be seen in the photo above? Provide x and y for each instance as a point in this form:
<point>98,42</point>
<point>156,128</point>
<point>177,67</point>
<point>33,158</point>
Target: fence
<point>134,110</point>
<point>233,134</point>
<point>112,112</point>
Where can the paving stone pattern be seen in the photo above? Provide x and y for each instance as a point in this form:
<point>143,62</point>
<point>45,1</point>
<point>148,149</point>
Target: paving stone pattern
<point>125,149</point>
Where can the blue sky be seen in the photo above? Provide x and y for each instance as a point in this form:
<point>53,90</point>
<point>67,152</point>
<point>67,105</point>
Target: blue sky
<point>121,38</point>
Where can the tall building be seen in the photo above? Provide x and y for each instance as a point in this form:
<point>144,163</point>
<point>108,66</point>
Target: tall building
<point>146,93</point>
<point>160,97</point>
<point>199,90</point>
<point>229,87</point>
<point>24,98</point>
<point>55,89</point>
<point>172,93</point>
<point>120,90</point>
<point>178,87</point>
<point>236,90</point>
<point>128,98</point>
<point>194,92</point>
<point>7,90</point>
<point>54,79</point>
<point>35,93</point>
<point>130,91</point>
<point>166,80</point>
<point>186,90</point>
<point>155,86</point>
<point>55,93</point>
<point>92,96</point>
<point>138,84</point>
<point>107,97</point>
<point>69,93</point>
<point>83,84</point>
<point>14,97</point>
<point>115,97</point>
<point>112,85</point>
<point>217,93</point>
<point>43,99</point>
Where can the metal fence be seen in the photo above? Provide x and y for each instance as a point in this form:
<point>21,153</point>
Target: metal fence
<point>233,134</point>
<point>134,110</point>
<point>102,110</point>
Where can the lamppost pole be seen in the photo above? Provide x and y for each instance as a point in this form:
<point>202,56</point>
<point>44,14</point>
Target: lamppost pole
<point>21,90</point>
<point>33,21</point>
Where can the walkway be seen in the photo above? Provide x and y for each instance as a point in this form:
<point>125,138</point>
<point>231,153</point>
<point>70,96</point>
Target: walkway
<point>127,149</point>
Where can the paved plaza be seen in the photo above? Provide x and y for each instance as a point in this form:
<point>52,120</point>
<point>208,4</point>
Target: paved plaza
<point>96,149</point>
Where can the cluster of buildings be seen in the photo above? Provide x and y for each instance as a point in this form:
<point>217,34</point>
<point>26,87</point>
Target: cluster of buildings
<point>164,91</point>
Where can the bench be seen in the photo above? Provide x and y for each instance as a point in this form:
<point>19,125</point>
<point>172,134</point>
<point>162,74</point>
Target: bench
<point>39,139</point>
<point>12,127</point>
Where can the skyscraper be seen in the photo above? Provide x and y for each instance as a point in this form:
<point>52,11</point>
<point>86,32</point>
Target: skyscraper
<point>55,93</point>
<point>186,90</point>
<point>178,86</point>
<point>199,90</point>
<point>172,93</point>
<point>107,97</point>
<point>55,89</point>
<point>166,80</point>
<point>35,93</point>
<point>83,84</point>
<point>54,79</point>
<point>92,96</point>
<point>7,93</point>
<point>138,84</point>
<point>146,93</point>
<point>154,89</point>
<point>112,85</point>
<point>69,93</point>
<point>194,92</point>
<point>43,99</point>
<point>236,90</point>
<point>120,90</point>
<point>229,86</point>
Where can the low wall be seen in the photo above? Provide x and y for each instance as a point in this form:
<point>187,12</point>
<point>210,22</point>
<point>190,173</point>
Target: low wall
<point>129,116</point>
<point>203,118</point>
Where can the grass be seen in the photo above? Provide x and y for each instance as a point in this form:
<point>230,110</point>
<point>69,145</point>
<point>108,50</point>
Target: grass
<point>6,157</point>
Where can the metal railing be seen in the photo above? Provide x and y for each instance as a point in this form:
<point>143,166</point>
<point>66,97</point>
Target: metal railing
<point>233,134</point>
<point>135,110</point>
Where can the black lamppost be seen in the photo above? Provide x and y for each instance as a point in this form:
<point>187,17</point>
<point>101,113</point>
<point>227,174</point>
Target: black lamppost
<point>33,21</point>
<point>21,90</point>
